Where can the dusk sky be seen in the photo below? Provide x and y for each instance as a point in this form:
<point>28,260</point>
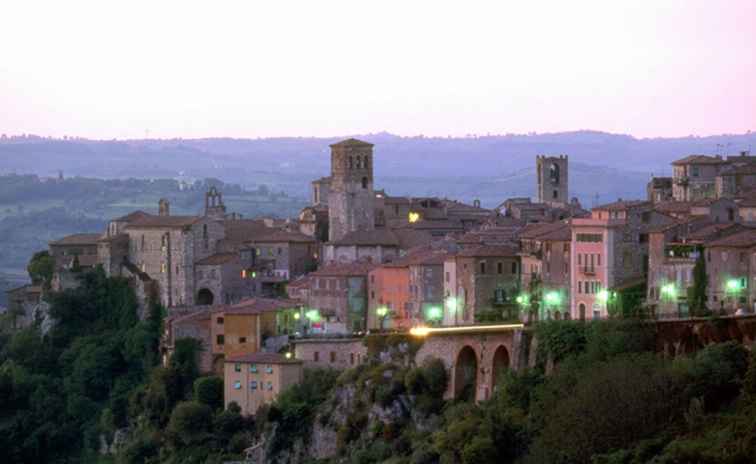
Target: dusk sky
<point>106,69</point>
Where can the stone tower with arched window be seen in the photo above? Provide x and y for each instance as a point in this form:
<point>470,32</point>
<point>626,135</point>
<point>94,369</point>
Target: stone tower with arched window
<point>351,201</point>
<point>552,176</point>
<point>214,206</point>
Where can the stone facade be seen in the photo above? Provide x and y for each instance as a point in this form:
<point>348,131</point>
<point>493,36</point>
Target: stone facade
<point>480,280</point>
<point>351,201</point>
<point>553,179</point>
<point>337,353</point>
<point>253,380</point>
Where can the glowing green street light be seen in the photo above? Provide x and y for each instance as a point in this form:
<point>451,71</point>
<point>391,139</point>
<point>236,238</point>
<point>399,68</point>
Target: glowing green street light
<point>313,315</point>
<point>451,304</point>
<point>552,298</point>
<point>733,285</point>
<point>669,290</point>
<point>381,311</point>
<point>523,299</point>
<point>434,313</point>
<point>603,296</point>
<point>296,316</point>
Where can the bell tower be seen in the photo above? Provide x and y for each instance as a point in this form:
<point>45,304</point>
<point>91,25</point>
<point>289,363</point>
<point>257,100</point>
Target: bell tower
<point>214,206</point>
<point>351,201</point>
<point>552,180</point>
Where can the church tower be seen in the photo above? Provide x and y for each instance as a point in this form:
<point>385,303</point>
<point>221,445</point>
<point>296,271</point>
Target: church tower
<point>214,206</point>
<point>351,201</point>
<point>552,180</point>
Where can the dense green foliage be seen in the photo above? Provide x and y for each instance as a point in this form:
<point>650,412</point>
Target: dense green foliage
<point>697,292</point>
<point>62,390</point>
<point>607,399</point>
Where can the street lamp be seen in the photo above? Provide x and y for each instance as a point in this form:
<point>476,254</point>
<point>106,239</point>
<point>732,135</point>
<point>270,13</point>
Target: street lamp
<point>382,312</point>
<point>434,313</point>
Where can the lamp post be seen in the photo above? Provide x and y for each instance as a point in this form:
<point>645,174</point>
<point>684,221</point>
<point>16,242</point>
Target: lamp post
<point>382,312</point>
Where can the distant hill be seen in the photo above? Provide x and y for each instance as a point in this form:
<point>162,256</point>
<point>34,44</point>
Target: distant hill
<point>490,168</point>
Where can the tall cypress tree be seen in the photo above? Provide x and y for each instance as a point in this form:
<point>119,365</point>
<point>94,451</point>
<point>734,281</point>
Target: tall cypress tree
<point>697,293</point>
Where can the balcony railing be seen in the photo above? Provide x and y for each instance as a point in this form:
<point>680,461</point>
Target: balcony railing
<point>588,270</point>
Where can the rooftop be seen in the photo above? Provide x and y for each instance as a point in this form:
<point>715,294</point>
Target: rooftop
<point>163,222</point>
<point>351,143</point>
<point>360,268</point>
<point>262,358</point>
<point>260,305</point>
<point>743,239</point>
<point>78,239</point>
<point>488,251</point>
<point>133,216</point>
<point>218,259</point>
<point>622,205</point>
<point>699,159</point>
<point>284,236</point>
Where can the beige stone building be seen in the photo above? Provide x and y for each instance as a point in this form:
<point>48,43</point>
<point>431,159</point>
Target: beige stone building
<point>256,379</point>
<point>335,353</point>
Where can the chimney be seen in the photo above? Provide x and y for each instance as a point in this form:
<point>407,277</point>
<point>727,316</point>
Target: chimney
<point>164,208</point>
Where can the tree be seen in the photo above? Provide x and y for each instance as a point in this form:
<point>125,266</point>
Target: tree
<point>41,268</point>
<point>190,423</point>
<point>209,391</point>
<point>697,293</point>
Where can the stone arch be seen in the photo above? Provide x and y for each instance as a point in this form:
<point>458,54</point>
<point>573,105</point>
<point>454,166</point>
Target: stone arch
<point>205,297</point>
<point>500,364</point>
<point>466,374</point>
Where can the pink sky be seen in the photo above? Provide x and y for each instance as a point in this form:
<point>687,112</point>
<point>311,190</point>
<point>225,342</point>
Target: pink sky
<point>319,68</point>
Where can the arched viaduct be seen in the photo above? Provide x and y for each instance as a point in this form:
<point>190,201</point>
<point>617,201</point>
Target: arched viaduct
<point>475,356</point>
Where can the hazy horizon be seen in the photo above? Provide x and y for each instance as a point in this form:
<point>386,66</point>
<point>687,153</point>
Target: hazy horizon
<point>316,69</point>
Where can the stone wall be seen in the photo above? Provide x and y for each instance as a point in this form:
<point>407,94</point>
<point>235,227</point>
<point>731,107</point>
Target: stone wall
<point>338,353</point>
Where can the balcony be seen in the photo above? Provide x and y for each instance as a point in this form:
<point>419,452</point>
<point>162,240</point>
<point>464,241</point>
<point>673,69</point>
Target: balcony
<point>588,270</point>
<point>682,181</point>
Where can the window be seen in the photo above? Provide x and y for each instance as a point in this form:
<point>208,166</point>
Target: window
<point>270,386</point>
<point>500,268</point>
<point>316,356</point>
<point>594,238</point>
<point>333,356</point>
<point>514,268</point>
<point>220,340</point>
<point>219,320</point>
<point>351,359</point>
<point>268,369</point>
<point>280,250</point>
<point>555,194</point>
<point>372,278</point>
<point>580,286</point>
<point>447,274</point>
<point>242,339</point>
<point>694,171</point>
<point>580,259</point>
<point>253,368</point>
<point>237,367</point>
<point>237,385</point>
<point>351,162</point>
<point>598,260</point>
<point>482,267</point>
<point>253,385</point>
<point>364,182</point>
<point>372,295</point>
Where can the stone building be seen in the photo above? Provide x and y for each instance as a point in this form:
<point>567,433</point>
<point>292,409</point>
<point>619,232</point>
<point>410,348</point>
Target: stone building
<point>610,254</point>
<point>659,189</point>
<point>334,353</point>
<point>255,379</point>
<point>351,201</point>
<point>24,304</point>
<point>731,268</point>
<point>479,282</point>
<point>75,250</point>
<point>281,256</point>
<point>673,250</point>
<point>378,245</point>
<point>247,326</point>
<point>552,180</point>
<point>545,251</point>
<point>404,293</point>
<point>694,177</point>
<point>339,293</point>
<point>195,325</point>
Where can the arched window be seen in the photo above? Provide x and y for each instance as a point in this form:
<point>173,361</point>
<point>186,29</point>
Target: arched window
<point>364,182</point>
<point>554,173</point>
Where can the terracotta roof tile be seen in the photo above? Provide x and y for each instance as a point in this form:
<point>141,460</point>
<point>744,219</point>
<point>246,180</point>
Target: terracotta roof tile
<point>163,222</point>
<point>485,251</point>
<point>351,142</point>
<point>360,268</point>
<point>259,305</point>
<point>262,358</point>
<point>218,259</point>
<point>743,239</point>
<point>622,205</point>
<point>283,236</point>
<point>699,159</point>
<point>78,239</point>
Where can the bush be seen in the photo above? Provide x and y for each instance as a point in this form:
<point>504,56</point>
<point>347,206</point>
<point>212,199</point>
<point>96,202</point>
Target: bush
<point>209,391</point>
<point>190,423</point>
<point>716,374</point>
